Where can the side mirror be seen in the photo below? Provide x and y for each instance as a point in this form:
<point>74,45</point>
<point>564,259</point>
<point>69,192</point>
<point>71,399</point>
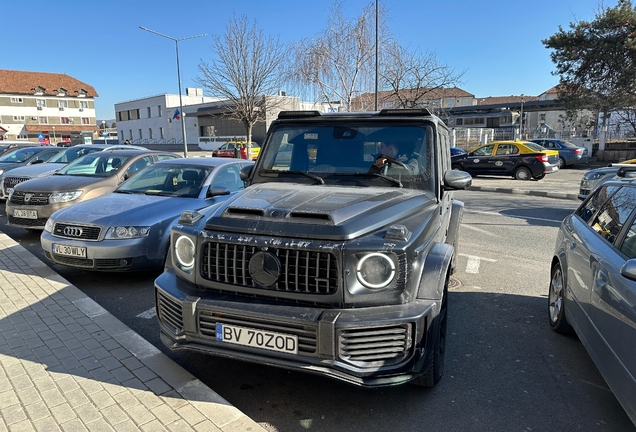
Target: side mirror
<point>456,179</point>
<point>217,191</point>
<point>629,269</point>
<point>246,171</point>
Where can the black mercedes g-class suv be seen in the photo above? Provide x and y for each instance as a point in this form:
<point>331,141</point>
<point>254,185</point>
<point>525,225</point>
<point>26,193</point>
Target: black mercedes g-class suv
<point>334,260</point>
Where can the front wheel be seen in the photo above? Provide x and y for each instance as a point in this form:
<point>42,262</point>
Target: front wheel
<point>539,177</point>
<point>523,173</point>
<point>556,302</point>
<point>562,163</point>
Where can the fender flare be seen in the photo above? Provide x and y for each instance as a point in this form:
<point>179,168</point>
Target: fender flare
<point>437,266</point>
<point>452,236</point>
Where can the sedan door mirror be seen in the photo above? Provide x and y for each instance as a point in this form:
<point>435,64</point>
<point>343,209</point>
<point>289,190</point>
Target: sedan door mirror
<point>216,191</point>
<point>629,269</point>
<point>246,171</point>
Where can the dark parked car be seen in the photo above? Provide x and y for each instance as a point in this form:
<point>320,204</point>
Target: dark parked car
<point>456,151</point>
<point>23,156</point>
<point>593,284</point>
<point>522,160</point>
<point>334,260</point>
<point>569,153</point>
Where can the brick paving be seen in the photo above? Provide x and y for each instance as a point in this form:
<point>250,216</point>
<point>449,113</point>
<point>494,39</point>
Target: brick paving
<point>66,364</point>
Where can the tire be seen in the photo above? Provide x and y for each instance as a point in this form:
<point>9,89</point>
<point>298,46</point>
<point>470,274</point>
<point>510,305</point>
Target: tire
<point>435,371</point>
<point>562,163</point>
<point>539,177</point>
<point>523,173</point>
<point>556,303</point>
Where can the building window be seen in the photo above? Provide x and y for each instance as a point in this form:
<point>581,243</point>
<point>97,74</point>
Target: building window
<point>159,110</point>
<point>85,120</point>
<point>133,114</point>
<point>130,134</point>
<point>16,100</point>
<point>542,117</point>
<point>64,120</point>
<point>149,132</point>
<point>149,113</point>
<point>161,135</point>
<point>459,122</point>
<point>83,104</point>
<point>41,103</point>
<point>140,135</point>
<point>121,133</point>
<point>62,104</point>
<point>66,138</point>
<point>18,118</point>
<point>43,120</point>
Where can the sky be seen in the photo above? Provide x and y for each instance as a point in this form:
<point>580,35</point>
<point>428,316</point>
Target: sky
<point>496,43</point>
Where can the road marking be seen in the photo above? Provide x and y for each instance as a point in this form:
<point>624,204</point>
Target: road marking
<point>512,216</point>
<point>150,313</point>
<point>472,266</point>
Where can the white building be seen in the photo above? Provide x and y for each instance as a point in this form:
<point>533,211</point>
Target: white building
<point>157,119</point>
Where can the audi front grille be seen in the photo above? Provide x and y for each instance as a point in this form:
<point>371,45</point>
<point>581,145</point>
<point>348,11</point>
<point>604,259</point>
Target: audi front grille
<point>76,232</point>
<point>302,271</point>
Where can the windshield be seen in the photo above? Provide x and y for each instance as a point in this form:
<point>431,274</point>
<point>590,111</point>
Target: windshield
<point>351,153</point>
<point>95,164</point>
<point>72,153</point>
<point>169,180</point>
<point>18,155</point>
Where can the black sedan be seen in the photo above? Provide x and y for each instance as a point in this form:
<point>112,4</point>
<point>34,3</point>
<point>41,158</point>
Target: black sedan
<point>522,160</point>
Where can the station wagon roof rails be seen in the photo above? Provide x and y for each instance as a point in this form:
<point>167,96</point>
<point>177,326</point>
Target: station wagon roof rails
<point>624,170</point>
<point>405,112</point>
<point>298,114</point>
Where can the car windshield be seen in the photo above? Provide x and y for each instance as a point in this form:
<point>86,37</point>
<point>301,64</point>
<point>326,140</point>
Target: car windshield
<point>535,147</point>
<point>72,153</point>
<point>95,165</point>
<point>18,156</point>
<point>168,180</point>
<point>351,153</point>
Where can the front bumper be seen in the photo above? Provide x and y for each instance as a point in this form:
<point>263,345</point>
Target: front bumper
<point>44,212</point>
<point>370,347</point>
<point>104,255</point>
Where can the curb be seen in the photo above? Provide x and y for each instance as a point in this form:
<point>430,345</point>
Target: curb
<point>208,403</point>
<point>544,194</point>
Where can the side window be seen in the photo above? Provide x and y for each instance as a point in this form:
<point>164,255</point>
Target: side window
<point>589,209</point>
<point>139,164</point>
<point>484,151</point>
<point>629,243</point>
<point>228,177</point>
<point>166,157</point>
<point>507,149</point>
<point>610,219</point>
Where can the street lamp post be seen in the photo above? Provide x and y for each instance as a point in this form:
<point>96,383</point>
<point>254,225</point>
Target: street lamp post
<point>104,135</point>
<point>54,138</point>
<point>521,118</point>
<point>176,42</point>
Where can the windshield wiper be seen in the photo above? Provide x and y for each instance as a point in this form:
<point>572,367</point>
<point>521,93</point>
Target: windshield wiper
<point>318,179</point>
<point>159,193</point>
<point>395,181</point>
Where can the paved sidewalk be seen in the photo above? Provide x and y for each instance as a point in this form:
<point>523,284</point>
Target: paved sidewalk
<point>66,364</point>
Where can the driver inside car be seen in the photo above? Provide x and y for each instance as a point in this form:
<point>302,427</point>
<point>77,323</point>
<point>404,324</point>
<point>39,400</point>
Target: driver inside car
<point>393,151</point>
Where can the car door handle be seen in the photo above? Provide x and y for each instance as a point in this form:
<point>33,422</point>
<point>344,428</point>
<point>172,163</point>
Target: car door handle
<point>601,279</point>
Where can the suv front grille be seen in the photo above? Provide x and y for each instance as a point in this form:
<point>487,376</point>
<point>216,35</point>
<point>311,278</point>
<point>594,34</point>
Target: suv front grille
<point>30,198</point>
<point>76,232</point>
<point>370,347</point>
<point>302,271</point>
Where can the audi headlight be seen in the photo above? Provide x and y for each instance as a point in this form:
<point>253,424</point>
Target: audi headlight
<point>184,251</point>
<point>127,232</point>
<point>48,226</point>
<point>594,176</point>
<point>375,270</point>
<point>62,197</point>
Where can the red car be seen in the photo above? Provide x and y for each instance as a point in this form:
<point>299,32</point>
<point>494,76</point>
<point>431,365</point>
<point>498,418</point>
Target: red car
<point>227,150</point>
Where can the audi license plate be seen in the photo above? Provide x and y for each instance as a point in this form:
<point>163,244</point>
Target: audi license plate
<point>25,214</point>
<point>74,251</point>
<point>257,338</point>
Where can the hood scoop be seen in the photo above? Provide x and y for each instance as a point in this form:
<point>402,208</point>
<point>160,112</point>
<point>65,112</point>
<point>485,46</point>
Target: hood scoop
<point>245,211</point>
<point>314,216</point>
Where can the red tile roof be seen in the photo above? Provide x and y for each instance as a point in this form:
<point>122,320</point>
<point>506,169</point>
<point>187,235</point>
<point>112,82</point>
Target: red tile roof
<point>21,82</point>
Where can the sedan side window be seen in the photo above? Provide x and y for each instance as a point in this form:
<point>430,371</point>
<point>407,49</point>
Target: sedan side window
<point>507,149</point>
<point>229,177</point>
<point>484,151</point>
<point>629,244</point>
<point>595,202</point>
<point>612,216</point>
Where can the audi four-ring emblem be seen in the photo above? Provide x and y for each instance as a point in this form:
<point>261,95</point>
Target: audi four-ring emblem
<point>72,231</point>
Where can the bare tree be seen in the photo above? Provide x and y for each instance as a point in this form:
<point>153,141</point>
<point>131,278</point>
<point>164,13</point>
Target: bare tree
<point>247,69</point>
<point>413,78</point>
<point>338,62</point>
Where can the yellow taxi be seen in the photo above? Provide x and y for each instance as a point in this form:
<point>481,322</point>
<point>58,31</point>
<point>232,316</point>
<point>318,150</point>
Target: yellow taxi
<point>523,160</point>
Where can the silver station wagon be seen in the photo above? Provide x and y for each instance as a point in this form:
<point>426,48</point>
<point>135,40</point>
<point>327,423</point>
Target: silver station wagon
<point>593,284</point>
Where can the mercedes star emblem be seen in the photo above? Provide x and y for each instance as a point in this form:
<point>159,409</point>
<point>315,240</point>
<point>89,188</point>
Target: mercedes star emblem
<point>264,268</point>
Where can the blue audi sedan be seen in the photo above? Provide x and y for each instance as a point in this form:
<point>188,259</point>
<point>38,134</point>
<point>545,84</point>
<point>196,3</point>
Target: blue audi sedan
<point>129,228</point>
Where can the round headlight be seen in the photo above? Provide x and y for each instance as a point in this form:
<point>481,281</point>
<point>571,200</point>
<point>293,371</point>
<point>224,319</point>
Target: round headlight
<point>375,270</point>
<point>184,251</point>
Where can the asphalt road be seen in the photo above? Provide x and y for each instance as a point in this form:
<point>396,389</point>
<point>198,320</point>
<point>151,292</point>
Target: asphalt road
<point>505,369</point>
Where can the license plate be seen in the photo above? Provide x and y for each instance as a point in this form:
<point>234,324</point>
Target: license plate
<point>257,338</point>
<point>74,251</point>
<point>25,214</point>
